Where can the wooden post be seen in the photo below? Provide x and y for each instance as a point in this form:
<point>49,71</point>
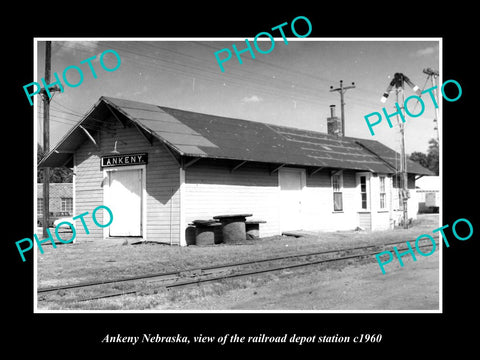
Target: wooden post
<point>342,89</point>
<point>403,163</point>
<point>46,140</point>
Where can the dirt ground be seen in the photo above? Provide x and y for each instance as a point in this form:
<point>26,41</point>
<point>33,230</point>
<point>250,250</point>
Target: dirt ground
<point>350,286</point>
<point>356,287</point>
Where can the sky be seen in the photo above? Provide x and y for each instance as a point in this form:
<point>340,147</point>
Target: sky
<point>290,86</point>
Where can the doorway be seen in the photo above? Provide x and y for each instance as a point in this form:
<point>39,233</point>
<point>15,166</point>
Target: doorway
<point>291,182</point>
<point>125,200</point>
<point>364,200</point>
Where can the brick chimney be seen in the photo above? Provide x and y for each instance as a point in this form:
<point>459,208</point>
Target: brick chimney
<point>334,123</point>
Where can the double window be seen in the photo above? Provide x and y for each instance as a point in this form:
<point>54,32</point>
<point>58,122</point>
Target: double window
<point>364,185</point>
<point>337,186</point>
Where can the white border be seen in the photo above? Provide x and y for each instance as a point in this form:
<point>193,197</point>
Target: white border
<point>35,179</point>
<point>182,236</point>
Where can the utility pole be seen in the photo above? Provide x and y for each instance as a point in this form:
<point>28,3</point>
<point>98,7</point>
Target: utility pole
<point>403,160</point>
<point>342,89</point>
<point>398,81</point>
<point>46,135</point>
<point>46,139</point>
<point>433,75</point>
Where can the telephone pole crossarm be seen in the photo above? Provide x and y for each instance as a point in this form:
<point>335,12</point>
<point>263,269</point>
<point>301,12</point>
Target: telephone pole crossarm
<point>342,89</point>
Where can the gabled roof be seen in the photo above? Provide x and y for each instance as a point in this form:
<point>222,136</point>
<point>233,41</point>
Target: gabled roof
<point>209,136</point>
<point>392,157</point>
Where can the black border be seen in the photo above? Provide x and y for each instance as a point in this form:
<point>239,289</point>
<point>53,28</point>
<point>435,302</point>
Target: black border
<point>408,334</point>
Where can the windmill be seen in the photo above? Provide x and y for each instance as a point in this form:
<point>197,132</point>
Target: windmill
<point>398,82</point>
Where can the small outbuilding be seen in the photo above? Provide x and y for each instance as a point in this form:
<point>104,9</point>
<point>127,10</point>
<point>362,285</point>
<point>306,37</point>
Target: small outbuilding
<point>159,169</point>
<point>428,194</point>
<point>60,201</point>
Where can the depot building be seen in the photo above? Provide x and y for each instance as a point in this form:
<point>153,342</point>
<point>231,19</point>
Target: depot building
<point>158,169</point>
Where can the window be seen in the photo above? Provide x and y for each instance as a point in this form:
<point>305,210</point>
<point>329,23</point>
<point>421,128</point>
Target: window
<point>396,181</point>
<point>383,194</point>
<point>39,205</point>
<point>67,204</point>
<point>363,191</point>
<point>397,184</point>
<point>337,185</point>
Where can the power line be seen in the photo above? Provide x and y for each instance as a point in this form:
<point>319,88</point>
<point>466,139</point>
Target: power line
<point>259,80</point>
<point>342,89</point>
<point>258,83</point>
<point>238,76</point>
<point>283,85</point>
<point>239,79</point>
<point>289,70</point>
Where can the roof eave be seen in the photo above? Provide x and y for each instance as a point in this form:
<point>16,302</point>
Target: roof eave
<point>143,127</point>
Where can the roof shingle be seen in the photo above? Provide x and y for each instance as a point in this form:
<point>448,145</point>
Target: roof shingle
<point>210,136</point>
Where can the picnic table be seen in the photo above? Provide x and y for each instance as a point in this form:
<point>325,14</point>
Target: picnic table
<point>233,227</point>
<point>205,231</point>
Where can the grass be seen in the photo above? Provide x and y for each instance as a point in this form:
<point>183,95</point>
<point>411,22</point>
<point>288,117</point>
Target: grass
<point>99,261</point>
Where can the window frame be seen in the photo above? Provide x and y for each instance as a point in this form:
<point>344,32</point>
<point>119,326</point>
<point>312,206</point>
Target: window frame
<point>40,206</point>
<point>366,208</point>
<point>367,192</point>
<point>64,203</point>
<point>337,189</point>
<point>382,188</point>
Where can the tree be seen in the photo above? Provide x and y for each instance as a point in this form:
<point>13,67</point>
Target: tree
<point>57,175</point>
<point>420,158</point>
<point>433,156</point>
<point>430,160</point>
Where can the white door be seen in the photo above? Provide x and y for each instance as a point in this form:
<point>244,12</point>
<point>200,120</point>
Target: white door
<point>364,200</point>
<point>291,183</point>
<point>125,202</point>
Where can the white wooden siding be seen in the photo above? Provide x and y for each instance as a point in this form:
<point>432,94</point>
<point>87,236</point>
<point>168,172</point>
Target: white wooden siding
<point>88,191</point>
<point>162,183</point>
<point>381,219</point>
<point>365,220</point>
<point>212,189</point>
<point>318,201</point>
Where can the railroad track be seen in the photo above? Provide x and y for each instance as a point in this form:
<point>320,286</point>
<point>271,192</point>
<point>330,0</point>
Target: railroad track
<point>151,283</point>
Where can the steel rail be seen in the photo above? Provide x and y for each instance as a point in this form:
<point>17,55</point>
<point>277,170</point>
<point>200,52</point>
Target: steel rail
<point>213,267</point>
<point>252,272</point>
<point>185,283</point>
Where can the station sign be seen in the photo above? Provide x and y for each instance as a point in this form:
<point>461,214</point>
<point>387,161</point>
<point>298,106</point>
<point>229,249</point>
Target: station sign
<point>123,160</point>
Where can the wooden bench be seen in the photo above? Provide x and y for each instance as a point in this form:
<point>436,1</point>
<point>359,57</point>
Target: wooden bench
<point>252,228</point>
